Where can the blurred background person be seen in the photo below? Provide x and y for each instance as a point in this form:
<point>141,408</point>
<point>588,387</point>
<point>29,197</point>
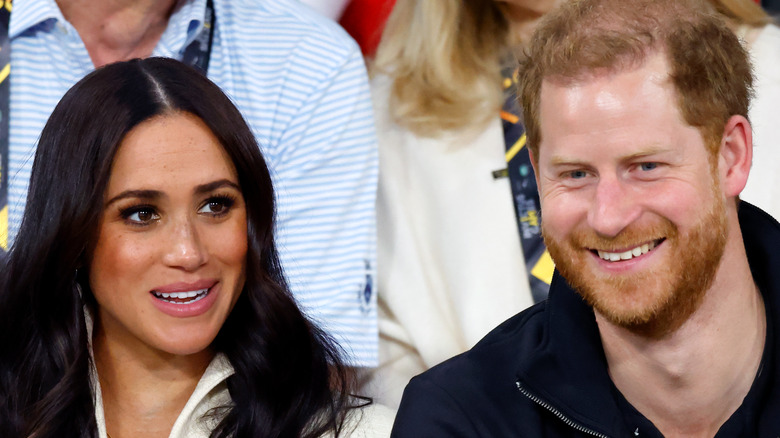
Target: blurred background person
<point>144,295</point>
<point>329,8</point>
<point>771,6</point>
<point>450,257</point>
<point>762,38</point>
<point>362,19</point>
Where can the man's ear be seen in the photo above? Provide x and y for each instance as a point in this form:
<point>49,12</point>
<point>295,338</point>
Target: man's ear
<point>535,166</point>
<point>736,155</point>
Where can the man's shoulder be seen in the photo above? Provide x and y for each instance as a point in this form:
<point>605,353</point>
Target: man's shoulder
<point>498,354</point>
<point>281,22</point>
<point>476,392</point>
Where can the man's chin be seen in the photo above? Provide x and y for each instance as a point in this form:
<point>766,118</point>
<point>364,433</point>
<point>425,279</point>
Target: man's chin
<point>629,308</point>
<point>654,311</point>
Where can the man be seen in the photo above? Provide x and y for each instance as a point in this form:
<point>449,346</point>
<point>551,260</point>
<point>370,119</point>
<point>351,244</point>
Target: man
<point>299,81</point>
<point>661,320</point>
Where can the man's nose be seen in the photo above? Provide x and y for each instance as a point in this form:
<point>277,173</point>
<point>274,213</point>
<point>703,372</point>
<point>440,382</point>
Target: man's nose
<point>185,249</point>
<point>614,207</point>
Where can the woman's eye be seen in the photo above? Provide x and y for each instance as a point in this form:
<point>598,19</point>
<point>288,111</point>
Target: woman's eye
<point>648,166</point>
<point>140,215</point>
<point>217,206</point>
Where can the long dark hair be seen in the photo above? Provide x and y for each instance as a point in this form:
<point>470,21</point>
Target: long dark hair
<point>289,379</point>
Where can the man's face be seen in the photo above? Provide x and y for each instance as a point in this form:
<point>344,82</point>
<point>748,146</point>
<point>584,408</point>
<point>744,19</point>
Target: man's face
<point>633,211</point>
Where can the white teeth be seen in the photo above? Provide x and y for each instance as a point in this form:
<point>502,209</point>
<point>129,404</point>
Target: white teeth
<point>197,294</point>
<point>627,255</point>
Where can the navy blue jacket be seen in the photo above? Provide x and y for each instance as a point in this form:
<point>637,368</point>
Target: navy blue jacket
<point>543,373</point>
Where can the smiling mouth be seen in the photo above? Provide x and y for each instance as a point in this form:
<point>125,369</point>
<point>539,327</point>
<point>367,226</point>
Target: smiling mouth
<point>188,297</point>
<point>628,254</point>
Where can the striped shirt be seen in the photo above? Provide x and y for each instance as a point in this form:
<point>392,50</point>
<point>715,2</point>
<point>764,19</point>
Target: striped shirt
<point>301,84</point>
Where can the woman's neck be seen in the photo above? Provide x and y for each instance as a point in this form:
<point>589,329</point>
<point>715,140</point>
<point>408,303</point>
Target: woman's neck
<point>144,391</point>
<point>118,30</point>
<point>524,18</point>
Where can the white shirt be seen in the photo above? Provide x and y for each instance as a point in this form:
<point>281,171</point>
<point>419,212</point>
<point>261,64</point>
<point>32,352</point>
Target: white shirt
<point>763,186</point>
<point>450,261</point>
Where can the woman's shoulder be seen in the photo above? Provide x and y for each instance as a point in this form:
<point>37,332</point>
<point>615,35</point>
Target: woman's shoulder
<point>372,421</point>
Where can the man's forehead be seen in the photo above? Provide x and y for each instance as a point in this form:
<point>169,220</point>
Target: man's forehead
<point>571,102</point>
<point>637,111</point>
<point>654,67</point>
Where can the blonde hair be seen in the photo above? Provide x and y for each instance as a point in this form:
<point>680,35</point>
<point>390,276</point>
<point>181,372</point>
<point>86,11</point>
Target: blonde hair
<point>444,60</point>
<point>742,12</point>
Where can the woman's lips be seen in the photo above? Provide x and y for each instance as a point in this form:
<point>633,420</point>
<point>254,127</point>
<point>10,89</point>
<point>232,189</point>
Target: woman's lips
<point>186,299</point>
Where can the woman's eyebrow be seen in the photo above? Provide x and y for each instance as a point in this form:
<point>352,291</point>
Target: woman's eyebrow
<point>143,194</point>
<point>156,194</point>
<point>208,187</point>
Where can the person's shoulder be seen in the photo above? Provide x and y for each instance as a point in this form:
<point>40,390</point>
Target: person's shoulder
<point>381,84</point>
<point>487,372</point>
<point>286,21</point>
<point>371,421</point>
<point>475,393</point>
<point>770,32</point>
<point>765,52</point>
<point>499,352</point>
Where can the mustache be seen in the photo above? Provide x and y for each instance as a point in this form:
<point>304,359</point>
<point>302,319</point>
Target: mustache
<point>630,237</point>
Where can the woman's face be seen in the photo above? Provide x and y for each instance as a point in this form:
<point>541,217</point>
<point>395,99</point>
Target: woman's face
<point>524,15</point>
<point>169,261</point>
<point>531,7</point>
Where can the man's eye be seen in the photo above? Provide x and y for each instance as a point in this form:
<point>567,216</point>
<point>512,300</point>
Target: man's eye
<point>577,174</point>
<point>648,166</point>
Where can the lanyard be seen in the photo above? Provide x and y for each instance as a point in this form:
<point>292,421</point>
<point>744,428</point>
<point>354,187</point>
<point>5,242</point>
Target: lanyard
<point>5,92</point>
<point>524,193</point>
<point>196,54</point>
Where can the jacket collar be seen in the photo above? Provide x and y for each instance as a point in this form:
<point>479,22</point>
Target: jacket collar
<point>566,369</point>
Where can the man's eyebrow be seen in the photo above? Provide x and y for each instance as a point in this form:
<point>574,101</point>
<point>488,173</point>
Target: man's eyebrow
<point>652,150</point>
<point>143,194</point>
<point>566,161</point>
<point>649,151</point>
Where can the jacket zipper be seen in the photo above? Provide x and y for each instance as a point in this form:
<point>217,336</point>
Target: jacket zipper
<point>558,413</point>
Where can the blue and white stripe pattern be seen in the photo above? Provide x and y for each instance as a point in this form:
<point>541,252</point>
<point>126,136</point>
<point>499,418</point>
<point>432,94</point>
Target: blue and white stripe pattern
<point>301,84</point>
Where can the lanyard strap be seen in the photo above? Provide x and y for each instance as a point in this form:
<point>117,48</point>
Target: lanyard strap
<point>524,192</point>
<point>5,93</point>
<point>196,54</point>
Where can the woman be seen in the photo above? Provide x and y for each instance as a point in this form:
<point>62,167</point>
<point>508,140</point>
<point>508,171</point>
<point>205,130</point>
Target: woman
<point>450,261</point>
<point>762,38</point>
<point>143,295</point>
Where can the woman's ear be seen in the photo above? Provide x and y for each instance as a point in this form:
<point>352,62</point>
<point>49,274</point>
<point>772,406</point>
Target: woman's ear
<point>735,155</point>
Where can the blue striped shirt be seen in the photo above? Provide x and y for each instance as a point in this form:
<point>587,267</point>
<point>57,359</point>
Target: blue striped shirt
<point>301,84</point>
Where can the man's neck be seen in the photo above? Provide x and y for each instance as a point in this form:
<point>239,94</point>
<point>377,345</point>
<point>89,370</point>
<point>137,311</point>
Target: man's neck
<point>118,30</point>
<point>691,381</point>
